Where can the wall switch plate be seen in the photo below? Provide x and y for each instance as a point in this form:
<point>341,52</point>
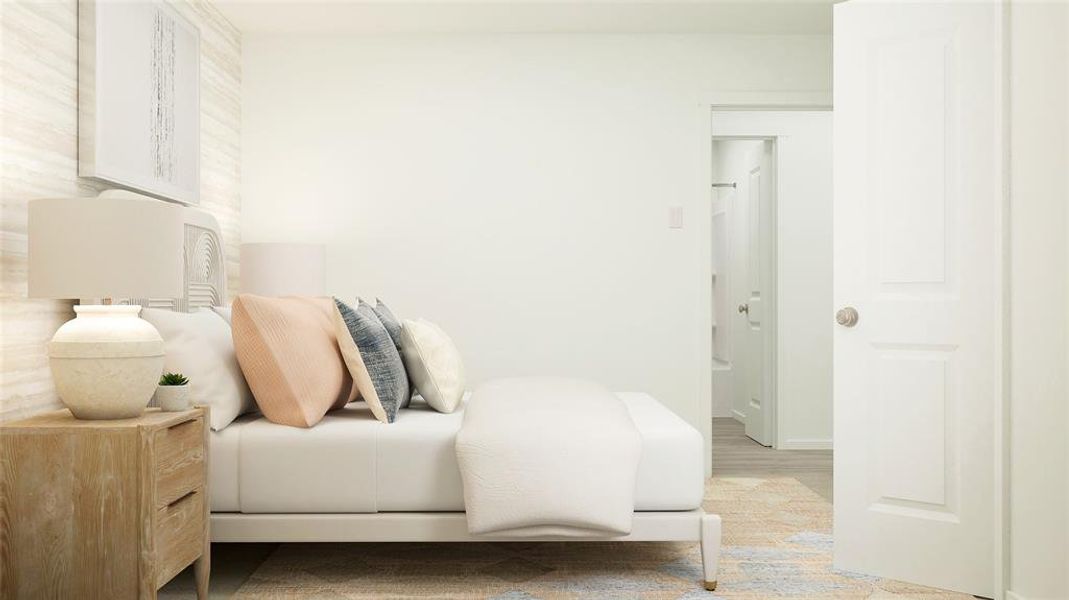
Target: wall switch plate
<point>675,217</point>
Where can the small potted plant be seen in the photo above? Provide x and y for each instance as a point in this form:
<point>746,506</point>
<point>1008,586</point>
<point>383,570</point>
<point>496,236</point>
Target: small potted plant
<point>173,392</point>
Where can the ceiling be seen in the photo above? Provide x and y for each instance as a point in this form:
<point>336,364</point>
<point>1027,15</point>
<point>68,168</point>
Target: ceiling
<point>530,16</point>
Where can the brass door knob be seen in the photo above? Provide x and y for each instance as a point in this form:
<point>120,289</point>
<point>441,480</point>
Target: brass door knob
<point>847,317</point>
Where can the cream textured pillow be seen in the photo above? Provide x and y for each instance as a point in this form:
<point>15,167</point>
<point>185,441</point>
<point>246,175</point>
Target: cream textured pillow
<point>290,356</point>
<point>433,363</point>
<point>199,346</point>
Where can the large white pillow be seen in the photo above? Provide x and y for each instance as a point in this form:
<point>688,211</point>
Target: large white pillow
<point>223,311</point>
<point>433,363</point>
<point>199,345</point>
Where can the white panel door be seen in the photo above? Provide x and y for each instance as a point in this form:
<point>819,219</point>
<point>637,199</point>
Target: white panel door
<point>759,210</point>
<point>918,253</point>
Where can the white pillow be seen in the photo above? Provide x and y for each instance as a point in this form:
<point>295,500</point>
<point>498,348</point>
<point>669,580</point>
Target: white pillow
<point>199,345</point>
<point>223,311</point>
<point>433,363</point>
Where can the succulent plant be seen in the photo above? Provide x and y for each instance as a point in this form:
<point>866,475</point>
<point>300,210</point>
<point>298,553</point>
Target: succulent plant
<point>173,379</point>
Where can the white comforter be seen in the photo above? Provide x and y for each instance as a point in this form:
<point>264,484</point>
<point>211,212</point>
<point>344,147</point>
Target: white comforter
<point>548,457</point>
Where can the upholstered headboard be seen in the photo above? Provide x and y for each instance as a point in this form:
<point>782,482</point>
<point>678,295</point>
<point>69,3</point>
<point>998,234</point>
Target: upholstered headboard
<point>204,271</point>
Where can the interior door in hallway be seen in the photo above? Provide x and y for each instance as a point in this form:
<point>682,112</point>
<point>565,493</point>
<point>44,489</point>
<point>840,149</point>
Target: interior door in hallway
<point>755,311</point>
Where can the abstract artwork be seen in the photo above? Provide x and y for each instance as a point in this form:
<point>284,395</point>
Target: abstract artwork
<point>139,98</point>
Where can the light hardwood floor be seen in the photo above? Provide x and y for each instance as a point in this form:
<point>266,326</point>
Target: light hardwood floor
<point>734,454</point>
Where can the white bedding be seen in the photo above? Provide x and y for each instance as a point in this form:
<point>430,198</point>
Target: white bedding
<point>351,463</point>
<point>548,456</point>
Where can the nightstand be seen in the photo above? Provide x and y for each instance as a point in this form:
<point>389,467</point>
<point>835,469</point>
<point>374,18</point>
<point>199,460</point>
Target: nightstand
<point>103,509</point>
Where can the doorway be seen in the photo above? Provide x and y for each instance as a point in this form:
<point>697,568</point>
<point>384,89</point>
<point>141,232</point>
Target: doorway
<point>770,294</point>
<point>743,288</point>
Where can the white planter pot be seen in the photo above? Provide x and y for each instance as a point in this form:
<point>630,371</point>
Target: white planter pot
<point>106,362</point>
<point>173,398</point>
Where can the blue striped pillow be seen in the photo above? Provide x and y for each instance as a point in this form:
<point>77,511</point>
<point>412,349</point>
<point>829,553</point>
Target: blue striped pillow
<point>393,327</point>
<point>378,371</point>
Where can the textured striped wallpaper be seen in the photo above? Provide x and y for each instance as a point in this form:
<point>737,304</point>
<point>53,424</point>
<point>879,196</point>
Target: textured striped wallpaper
<point>39,151</point>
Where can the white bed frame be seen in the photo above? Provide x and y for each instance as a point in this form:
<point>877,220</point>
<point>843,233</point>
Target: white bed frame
<point>676,526</point>
<point>205,285</point>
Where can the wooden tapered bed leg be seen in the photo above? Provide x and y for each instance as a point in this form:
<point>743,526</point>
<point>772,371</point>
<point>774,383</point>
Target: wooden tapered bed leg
<point>710,549</point>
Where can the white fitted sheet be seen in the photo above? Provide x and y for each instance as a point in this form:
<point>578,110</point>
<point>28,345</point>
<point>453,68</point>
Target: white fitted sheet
<point>352,463</point>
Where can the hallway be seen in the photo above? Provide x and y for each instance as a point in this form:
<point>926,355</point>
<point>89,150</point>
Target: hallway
<point>734,454</point>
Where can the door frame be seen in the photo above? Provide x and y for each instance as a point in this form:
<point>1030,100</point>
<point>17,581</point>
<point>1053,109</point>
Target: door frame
<point>708,105</point>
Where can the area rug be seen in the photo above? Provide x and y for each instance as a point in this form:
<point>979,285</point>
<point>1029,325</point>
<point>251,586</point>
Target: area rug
<point>777,544</point>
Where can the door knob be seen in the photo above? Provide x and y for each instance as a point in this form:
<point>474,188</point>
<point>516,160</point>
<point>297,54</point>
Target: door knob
<point>847,317</point>
<point>744,308</point>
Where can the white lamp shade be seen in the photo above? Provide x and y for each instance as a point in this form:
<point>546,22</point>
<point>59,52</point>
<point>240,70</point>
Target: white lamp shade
<point>120,245</point>
<point>278,269</point>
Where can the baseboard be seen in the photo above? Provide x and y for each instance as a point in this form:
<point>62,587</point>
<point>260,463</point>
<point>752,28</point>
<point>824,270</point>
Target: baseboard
<point>741,418</point>
<point>1014,596</point>
<point>806,444</point>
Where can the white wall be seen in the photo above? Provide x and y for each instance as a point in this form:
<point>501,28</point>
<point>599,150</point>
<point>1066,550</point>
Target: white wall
<point>1039,302</point>
<point>513,188</point>
<point>804,271</point>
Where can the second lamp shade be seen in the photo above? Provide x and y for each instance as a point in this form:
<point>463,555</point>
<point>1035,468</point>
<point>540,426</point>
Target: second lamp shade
<point>282,269</point>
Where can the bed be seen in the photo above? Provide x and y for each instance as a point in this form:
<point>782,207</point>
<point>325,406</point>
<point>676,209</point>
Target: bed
<point>411,465</point>
<point>352,479</point>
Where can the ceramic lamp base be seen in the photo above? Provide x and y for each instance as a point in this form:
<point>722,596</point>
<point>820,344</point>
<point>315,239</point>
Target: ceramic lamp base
<point>106,362</point>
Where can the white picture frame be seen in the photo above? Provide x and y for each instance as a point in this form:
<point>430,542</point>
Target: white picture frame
<point>139,98</point>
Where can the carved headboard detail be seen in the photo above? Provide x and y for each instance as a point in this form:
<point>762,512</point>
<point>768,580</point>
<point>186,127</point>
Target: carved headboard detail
<point>204,271</point>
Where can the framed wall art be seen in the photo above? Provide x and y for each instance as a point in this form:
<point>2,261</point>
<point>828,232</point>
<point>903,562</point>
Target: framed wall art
<point>139,98</point>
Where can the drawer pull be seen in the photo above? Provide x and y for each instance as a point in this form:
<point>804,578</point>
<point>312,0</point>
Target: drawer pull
<point>183,423</point>
<point>178,500</point>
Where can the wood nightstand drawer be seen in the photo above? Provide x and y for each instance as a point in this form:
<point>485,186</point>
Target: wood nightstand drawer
<point>103,509</point>
<point>179,460</point>
<point>179,533</point>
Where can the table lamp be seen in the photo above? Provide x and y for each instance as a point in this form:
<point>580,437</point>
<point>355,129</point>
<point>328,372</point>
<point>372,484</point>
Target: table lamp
<point>106,362</point>
<point>283,269</point>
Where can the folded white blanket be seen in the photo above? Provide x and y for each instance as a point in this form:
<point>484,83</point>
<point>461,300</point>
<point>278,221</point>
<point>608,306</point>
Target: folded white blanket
<point>547,456</point>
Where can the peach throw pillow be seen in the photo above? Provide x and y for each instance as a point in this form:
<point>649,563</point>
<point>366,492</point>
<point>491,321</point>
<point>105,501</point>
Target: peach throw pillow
<point>289,354</point>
